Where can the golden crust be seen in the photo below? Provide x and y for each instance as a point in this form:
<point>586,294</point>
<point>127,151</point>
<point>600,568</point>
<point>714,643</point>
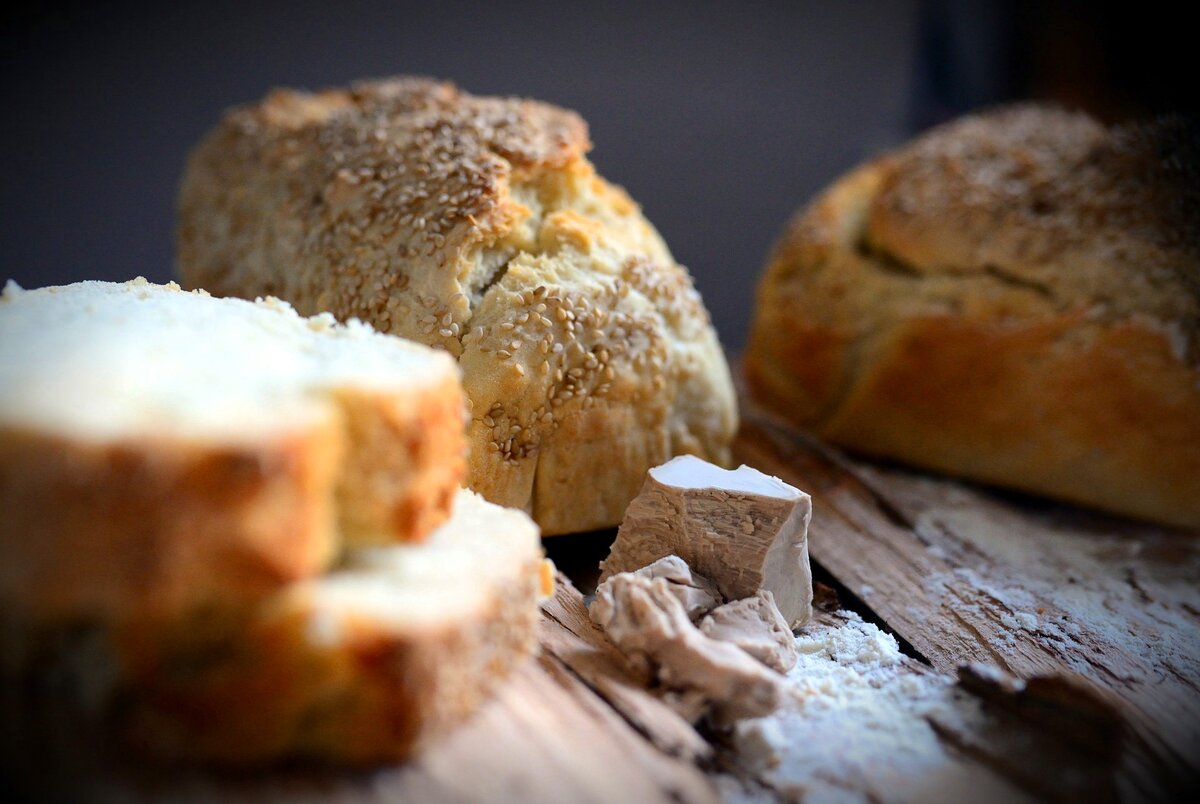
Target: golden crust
<point>150,529</point>
<point>475,225</point>
<point>405,460</point>
<point>365,664</point>
<point>378,696</point>
<point>1013,299</point>
<point>147,530</point>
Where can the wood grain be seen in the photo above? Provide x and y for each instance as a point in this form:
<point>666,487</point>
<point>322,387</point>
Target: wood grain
<point>967,575</point>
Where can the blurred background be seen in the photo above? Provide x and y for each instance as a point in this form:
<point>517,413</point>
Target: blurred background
<point>720,118</point>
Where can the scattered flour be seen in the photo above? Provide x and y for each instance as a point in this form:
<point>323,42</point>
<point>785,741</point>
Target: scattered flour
<point>857,645</point>
<point>1082,591</point>
<point>855,728</point>
<point>1015,607</point>
<point>936,551</point>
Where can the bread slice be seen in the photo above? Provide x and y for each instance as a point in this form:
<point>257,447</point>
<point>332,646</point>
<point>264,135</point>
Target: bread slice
<point>363,664</point>
<point>165,452</point>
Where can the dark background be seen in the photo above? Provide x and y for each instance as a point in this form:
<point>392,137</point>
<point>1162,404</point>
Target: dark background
<point>721,119</point>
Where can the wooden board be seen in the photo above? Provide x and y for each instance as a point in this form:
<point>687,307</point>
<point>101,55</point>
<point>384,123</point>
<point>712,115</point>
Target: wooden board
<point>1101,616</point>
<point>965,575</point>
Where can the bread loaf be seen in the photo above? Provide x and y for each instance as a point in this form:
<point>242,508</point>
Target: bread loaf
<point>478,226</point>
<point>164,452</point>
<point>1013,298</point>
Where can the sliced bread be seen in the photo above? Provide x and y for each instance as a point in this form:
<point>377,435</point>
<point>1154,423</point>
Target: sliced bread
<point>165,452</point>
<point>363,664</point>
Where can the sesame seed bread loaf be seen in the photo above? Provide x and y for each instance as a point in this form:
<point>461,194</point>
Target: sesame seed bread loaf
<point>364,664</point>
<point>165,452</point>
<point>1013,298</point>
<point>478,226</point>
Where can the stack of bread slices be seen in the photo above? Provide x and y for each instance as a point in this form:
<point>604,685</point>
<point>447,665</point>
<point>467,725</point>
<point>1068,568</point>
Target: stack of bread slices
<point>238,534</point>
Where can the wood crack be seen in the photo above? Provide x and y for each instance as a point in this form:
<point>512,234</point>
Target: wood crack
<point>982,641</point>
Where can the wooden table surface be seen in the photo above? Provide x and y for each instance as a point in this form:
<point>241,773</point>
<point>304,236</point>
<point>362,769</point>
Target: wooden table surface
<point>1101,616</point>
<point>967,575</point>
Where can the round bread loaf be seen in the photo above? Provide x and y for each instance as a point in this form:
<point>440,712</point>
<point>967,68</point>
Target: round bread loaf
<point>478,226</point>
<point>1014,298</point>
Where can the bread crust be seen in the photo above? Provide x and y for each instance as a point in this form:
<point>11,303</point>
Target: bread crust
<point>405,460</point>
<point>377,697</point>
<point>148,529</point>
<point>478,226</point>
<point>1014,298</point>
<point>319,670</point>
<point>161,525</point>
